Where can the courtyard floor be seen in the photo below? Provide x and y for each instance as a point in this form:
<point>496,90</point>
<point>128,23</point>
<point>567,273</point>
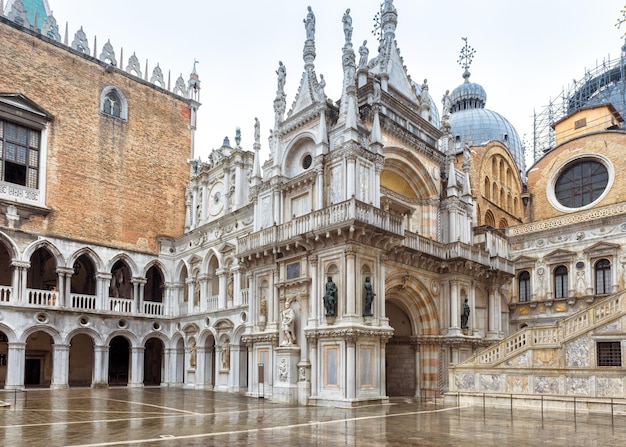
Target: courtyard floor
<point>185,417</point>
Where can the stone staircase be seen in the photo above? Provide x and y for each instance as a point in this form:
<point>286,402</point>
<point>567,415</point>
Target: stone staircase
<point>555,360</point>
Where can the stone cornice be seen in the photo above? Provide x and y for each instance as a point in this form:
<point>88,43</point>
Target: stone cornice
<point>445,340</point>
<point>568,219</point>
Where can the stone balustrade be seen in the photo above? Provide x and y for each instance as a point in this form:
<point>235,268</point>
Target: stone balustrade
<point>334,215</point>
<point>84,302</point>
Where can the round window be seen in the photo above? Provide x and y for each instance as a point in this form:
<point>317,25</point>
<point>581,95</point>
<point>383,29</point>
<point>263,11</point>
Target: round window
<point>581,183</point>
<point>306,161</point>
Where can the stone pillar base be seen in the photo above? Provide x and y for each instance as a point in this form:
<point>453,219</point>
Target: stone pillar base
<point>285,384</point>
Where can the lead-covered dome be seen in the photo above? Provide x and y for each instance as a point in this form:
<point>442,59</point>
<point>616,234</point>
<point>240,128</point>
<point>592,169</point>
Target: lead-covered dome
<point>471,123</point>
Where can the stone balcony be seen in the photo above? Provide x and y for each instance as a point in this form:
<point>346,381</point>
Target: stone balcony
<point>350,219</point>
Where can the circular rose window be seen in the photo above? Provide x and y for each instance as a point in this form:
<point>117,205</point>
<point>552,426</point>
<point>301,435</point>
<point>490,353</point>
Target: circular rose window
<point>581,183</point>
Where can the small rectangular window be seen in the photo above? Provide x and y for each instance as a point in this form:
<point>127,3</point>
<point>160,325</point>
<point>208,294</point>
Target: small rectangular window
<point>609,353</point>
<point>580,123</point>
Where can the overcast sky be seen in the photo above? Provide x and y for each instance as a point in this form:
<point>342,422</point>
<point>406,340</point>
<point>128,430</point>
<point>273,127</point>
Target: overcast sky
<point>526,51</point>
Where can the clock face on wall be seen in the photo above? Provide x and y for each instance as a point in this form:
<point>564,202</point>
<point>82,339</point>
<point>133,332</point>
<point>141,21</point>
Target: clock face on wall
<point>216,198</point>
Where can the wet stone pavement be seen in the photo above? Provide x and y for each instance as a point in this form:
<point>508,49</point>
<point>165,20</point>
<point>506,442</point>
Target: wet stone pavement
<point>185,417</point>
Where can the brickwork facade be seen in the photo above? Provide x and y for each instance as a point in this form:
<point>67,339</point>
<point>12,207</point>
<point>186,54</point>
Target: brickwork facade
<point>109,181</point>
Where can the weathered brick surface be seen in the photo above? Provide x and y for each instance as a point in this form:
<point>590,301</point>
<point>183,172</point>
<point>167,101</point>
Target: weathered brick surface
<point>493,164</point>
<point>110,182</point>
<point>612,145</point>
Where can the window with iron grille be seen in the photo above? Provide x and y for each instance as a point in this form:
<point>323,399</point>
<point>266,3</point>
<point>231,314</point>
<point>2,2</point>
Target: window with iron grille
<point>581,183</point>
<point>19,154</point>
<point>609,353</point>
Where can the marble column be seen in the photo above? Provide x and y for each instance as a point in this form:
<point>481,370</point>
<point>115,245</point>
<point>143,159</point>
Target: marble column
<point>319,188</point>
<point>454,309</point>
<point>222,275</point>
<point>350,295</point>
<point>350,180</point>
<point>194,206</point>
<point>205,200</point>
<point>189,283</point>
<point>418,371</point>
<point>169,365</point>
<point>60,366</point>
<point>492,330</point>
<point>135,378</point>
<point>315,372</point>
<point>100,375</point>
<point>236,272</point>
<point>16,360</point>
<point>351,369</point>
<point>379,289</point>
<point>103,281</point>
<point>314,297</point>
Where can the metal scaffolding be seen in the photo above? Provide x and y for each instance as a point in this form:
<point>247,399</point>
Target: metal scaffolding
<point>606,83</point>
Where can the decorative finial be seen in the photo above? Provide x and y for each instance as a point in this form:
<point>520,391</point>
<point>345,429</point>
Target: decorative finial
<point>621,20</point>
<point>465,59</point>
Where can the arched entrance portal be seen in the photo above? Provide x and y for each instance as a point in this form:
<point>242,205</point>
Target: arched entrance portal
<point>119,361</point>
<point>413,353</point>
<point>38,361</point>
<point>81,360</point>
<point>400,354</point>
<point>153,362</point>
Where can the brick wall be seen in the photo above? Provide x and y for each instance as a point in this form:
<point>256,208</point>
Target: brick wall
<point>110,182</point>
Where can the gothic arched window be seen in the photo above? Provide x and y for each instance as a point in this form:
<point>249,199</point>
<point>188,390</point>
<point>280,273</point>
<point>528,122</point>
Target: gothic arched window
<point>113,103</point>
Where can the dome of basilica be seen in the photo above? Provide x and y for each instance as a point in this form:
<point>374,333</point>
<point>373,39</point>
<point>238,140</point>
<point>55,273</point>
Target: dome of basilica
<point>470,122</point>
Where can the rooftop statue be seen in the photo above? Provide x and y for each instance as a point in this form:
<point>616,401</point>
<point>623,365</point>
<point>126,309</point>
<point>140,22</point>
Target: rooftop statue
<point>282,76</point>
<point>257,131</point>
<point>347,25</point>
<point>364,52</point>
<point>309,24</point>
<point>320,89</point>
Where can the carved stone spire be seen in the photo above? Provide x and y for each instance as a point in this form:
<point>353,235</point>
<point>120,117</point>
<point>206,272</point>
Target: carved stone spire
<point>279,102</point>
<point>256,170</point>
<point>389,19</point>
<point>308,53</point>
<point>467,189</point>
<point>193,85</point>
